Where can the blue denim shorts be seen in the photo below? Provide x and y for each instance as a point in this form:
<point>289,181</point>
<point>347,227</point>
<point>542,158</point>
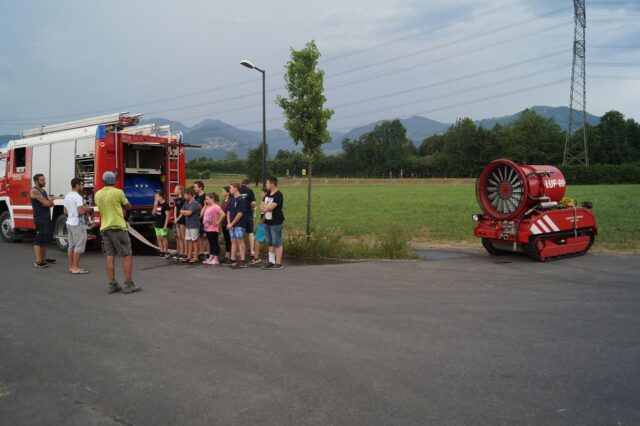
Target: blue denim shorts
<point>273,235</point>
<point>237,233</point>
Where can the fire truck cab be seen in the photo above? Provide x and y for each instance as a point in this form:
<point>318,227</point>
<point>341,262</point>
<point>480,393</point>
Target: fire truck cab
<point>145,158</point>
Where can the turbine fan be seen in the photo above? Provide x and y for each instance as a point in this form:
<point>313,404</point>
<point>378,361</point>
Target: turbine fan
<point>504,189</point>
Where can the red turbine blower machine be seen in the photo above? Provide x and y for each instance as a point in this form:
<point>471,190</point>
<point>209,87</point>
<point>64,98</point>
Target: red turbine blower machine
<point>524,211</point>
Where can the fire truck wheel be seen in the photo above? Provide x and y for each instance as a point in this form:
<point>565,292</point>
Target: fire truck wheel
<point>7,232</point>
<point>60,236</point>
<point>491,249</point>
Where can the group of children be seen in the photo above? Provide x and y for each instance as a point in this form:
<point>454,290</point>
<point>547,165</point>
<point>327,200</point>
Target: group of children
<point>201,218</point>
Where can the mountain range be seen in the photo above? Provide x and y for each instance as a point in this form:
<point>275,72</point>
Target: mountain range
<point>217,138</point>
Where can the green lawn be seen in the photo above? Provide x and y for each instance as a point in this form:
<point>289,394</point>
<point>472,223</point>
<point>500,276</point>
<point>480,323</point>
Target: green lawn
<point>442,212</point>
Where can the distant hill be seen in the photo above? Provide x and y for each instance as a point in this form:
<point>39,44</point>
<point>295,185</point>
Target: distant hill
<point>558,114</point>
<point>218,138</point>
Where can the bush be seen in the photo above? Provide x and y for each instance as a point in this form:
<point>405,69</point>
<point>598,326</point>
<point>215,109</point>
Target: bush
<point>331,243</point>
<point>393,244</point>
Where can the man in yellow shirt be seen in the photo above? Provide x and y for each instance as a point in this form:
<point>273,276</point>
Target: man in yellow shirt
<point>111,204</point>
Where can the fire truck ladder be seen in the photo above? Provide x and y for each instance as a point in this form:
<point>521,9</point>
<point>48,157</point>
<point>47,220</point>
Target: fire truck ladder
<point>120,118</point>
<point>173,162</point>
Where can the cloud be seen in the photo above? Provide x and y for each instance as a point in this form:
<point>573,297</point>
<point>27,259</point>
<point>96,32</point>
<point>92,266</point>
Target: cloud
<point>69,59</point>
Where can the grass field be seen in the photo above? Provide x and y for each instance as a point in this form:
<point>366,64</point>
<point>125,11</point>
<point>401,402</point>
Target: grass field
<point>439,210</point>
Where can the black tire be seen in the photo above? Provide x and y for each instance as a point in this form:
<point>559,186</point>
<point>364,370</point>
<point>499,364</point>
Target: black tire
<point>60,233</point>
<point>7,233</point>
<point>490,248</point>
<point>532,251</point>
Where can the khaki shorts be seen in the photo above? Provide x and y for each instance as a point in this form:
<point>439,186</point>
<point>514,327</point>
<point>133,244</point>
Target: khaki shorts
<point>116,242</point>
<point>77,235</point>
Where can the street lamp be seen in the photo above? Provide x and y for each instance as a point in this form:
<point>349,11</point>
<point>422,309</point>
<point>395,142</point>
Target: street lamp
<point>249,65</point>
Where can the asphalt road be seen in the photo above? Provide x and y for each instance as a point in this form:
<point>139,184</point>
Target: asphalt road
<point>467,340</point>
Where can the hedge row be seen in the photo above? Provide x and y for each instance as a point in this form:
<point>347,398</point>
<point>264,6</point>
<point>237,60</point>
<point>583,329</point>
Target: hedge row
<point>601,174</point>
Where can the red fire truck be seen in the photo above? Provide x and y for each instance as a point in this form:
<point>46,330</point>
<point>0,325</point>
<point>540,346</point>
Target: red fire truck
<point>145,158</point>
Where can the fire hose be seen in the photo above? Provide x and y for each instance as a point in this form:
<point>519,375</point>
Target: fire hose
<point>138,236</point>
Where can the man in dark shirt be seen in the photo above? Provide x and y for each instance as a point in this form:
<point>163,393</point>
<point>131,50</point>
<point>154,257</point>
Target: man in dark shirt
<point>41,204</point>
<point>236,226</point>
<point>274,222</point>
<point>250,205</point>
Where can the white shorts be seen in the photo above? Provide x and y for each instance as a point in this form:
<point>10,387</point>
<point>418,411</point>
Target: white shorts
<point>191,234</point>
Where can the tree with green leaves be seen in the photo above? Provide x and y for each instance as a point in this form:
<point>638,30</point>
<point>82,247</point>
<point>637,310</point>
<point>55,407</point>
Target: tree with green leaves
<point>384,149</point>
<point>307,118</point>
<point>254,164</point>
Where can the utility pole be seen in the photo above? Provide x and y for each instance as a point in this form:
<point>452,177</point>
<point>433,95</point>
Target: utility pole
<point>575,150</point>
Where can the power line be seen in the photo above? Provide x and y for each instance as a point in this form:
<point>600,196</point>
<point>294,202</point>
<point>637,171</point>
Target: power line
<point>410,90</point>
<point>333,75</point>
<point>615,46</point>
<point>614,64</point>
<point>441,96</point>
<point>423,32</point>
<point>614,77</point>
<point>455,79</point>
<point>451,43</point>
<point>248,81</point>
<point>459,54</point>
<point>457,92</point>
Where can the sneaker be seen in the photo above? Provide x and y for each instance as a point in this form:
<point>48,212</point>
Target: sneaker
<point>276,267</point>
<point>50,260</point>
<point>240,265</point>
<point>113,287</point>
<point>231,263</point>
<point>268,265</point>
<point>40,264</point>
<point>215,262</point>
<point>167,255</point>
<point>255,261</point>
<point>159,255</point>
<point>130,287</point>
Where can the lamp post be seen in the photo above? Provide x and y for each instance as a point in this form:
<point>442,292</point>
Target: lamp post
<point>248,64</point>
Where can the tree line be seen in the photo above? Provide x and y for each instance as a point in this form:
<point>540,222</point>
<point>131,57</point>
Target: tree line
<point>462,151</point>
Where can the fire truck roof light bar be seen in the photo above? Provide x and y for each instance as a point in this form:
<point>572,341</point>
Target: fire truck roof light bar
<point>122,118</point>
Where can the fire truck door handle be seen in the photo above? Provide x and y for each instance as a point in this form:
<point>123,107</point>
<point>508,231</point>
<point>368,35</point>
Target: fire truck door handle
<point>23,193</point>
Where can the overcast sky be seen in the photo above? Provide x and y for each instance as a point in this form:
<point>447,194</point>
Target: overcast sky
<point>443,59</point>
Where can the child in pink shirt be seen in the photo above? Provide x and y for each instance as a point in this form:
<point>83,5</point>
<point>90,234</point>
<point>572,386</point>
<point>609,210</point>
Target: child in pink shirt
<point>212,216</point>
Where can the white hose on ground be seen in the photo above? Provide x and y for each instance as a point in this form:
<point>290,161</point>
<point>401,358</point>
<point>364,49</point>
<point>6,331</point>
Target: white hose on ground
<point>138,236</point>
